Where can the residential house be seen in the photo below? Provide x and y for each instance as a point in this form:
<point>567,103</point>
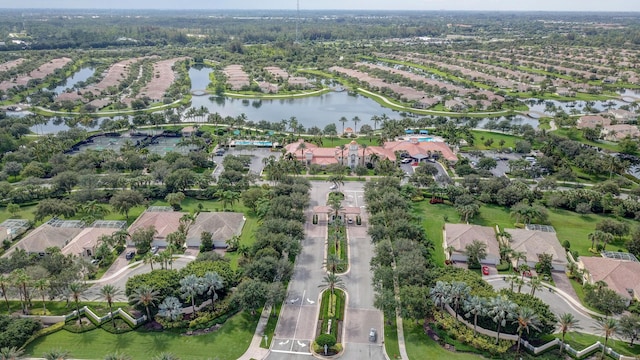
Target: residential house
<point>534,243</point>
<point>458,236</point>
<point>222,226</point>
<point>621,276</point>
<point>592,121</point>
<point>623,116</point>
<point>54,233</point>
<point>163,219</point>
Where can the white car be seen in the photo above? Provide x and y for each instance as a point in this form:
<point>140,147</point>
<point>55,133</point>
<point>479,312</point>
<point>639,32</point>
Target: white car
<point>333,187</point>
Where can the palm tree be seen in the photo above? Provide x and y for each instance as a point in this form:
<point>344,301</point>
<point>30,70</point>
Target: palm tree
<point>145,295</point>
<point>364,147</point>
<point>109,292</point>
<point>608,327</point>
<point>475,306</point>
<point>333,262</point>
<point>42,285</point>
<point>75,291</point>
<point>170,308</point>
<point>21,281</point>
<point>459,292</point>
<point>501,309</point>
<point>375,119</point>
<point>149,258</point>
<point>117,356</point>
<point>476,252</point>
<point>342,149</point>
<point>355,120</point>
<point>526,319</point>
<point>212,282</point>
<point>5,283</point>
<point>332,281</point>
<point>449,250</point>
<point>343,120</point>
<point>120,237</point>
<point>190,287</point>
<point>10,353</point>
<point>56,354</point>
<point>565,323</point>
<point>440,294</point>
<point>535,284</point>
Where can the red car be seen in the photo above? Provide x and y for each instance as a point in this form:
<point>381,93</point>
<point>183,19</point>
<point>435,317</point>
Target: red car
<point>485,270</point>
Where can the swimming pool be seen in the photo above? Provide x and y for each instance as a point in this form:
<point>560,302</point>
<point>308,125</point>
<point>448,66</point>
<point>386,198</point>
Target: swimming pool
<point>253,143</point>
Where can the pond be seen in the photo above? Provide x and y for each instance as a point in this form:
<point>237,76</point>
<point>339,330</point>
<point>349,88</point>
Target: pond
<point>309,111</point>
<point>81,75</point>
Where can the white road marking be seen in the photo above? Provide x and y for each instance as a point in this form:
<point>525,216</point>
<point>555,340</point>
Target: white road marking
<point>310,302</point>
<point>298,320</point>
<point>284,342</point>
<point>301,344</point>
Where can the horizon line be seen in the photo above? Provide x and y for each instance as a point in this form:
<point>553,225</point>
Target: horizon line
<point>308,9</point>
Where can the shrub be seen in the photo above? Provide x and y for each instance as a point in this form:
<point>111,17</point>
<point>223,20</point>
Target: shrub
<point>326,339</point>
<point>503,266</point>
<point>460,332</point>
<point>566,245</point>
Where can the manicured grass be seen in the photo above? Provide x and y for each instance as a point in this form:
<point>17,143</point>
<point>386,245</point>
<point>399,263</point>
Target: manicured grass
<point>340,235</point>
<point>230,342</point>
<point>580,341</point>
<point>569,225</point>
<point>577,287</point>
<point>57,308</point>
<point>26,212</point>
<point>271,324</point>
<point>246,238</point>
<point>391,340</point>
<point>478,136</point>
<point>420,346</point>
<point>576,135</point>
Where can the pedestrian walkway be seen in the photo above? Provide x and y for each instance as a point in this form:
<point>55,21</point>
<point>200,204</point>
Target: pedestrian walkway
<point>255,351</point>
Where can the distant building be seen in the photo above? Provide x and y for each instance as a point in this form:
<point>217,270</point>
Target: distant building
<point>163,219</point>
<point>459,236</point>
<point>621,276</point>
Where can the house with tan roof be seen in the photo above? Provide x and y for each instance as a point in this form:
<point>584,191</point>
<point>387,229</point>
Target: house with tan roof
<point>592,121</point>
<point>163,219</point>
<point>84,244</point>
<point>623,116</point>
<point>621,276</point>
<point>222,226</point>
<point>458,236</point>
<point>620,131</point>
<point>12,228</point>
<point>534,243</point>
<point>54,233</point>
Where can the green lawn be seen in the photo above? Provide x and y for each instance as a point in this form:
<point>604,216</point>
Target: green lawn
<point>230,342</point>
<point>481,136</point>
<point>577,136</point>
<point>580,341</point>
<point>391,340</point>
<point>569,225</point>
<point>61,308</point>
<point>421,346</point>
<point>26,212</point>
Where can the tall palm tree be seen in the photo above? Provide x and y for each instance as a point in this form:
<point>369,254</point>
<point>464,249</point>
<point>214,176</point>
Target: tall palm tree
<point>120,237</point>
<point>364,147</point>
<point>476,306</point>
<point>212,282</point>
<point>76,290</point>
<point>526,319</point>
<point>56,354</point>
<point>565,323</point>
<point>355,120</point>
<point>375,119</point>
<point>343,120</point>
<point>501,309</point>
<point>109,291</point>
<point>608,327</point>
<point>146,296</point>
<point>149,258</point>
<point>41,286</point>
<point>440,294</point>
<point>459,292</point>
<point>5,283</point>
<point>535,284</point>
<point>333,262</point>
<point>332,281</point>
<point>10,353</point>
<point>190,287</point>
<point>22,281</point>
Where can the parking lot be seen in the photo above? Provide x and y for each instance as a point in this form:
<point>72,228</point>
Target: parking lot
<point>257,156</point>
<point>501,158</point>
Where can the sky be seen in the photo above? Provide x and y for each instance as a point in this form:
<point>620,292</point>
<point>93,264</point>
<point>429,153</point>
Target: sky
<point>502,5</point>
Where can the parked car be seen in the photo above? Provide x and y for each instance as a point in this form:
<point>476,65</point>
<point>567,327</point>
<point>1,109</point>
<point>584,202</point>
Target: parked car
<point>350,220</point>
<point>130,255</point>
<point>485,270</point>
<point>333,187</point>
<point>527,273</point>
<point>406,160</point>
<point>154,249</point>
<point>373,336</point>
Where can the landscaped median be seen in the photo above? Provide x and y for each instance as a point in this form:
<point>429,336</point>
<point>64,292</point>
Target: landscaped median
<point>330,323</point>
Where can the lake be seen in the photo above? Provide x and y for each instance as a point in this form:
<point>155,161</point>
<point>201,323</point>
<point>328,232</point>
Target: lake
<point>81,75</point>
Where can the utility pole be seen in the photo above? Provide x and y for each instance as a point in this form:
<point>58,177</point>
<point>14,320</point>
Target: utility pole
<point>297,20</point>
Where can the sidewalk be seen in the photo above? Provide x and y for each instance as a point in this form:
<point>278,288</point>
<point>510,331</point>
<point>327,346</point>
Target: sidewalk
<point>255,351</point>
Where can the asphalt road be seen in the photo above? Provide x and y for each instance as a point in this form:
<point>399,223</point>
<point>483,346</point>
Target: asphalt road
<point>557,304</point>
<point>298,319</point>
